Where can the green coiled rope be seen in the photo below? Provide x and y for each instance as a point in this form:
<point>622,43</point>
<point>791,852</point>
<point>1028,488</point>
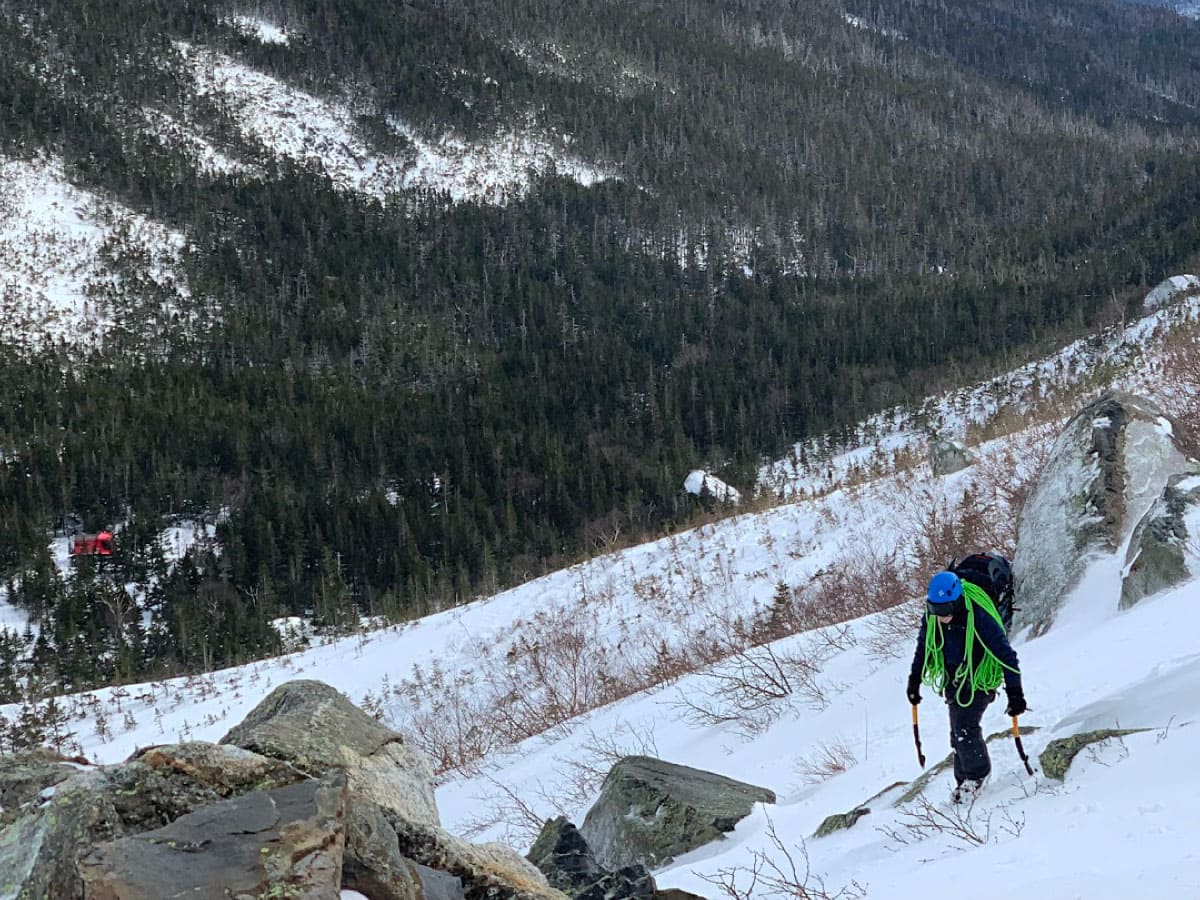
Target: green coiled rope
<point>969,677</point>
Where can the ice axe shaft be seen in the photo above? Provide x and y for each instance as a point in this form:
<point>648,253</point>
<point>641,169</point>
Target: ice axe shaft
<point>917,737</point>
<point>1016,739</point>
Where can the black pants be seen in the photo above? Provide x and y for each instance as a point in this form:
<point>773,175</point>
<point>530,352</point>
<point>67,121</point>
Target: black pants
<point>966,737</point>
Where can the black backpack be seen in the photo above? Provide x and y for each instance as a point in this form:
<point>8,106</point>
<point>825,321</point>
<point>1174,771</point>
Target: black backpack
<point>993,573</point>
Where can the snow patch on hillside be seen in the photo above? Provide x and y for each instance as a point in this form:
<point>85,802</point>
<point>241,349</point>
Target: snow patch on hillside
<point>260,29</point>
<point>493,171</point>
<point>321,135</point>
<point>54,276</point>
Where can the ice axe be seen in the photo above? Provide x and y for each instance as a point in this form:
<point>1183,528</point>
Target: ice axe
<point>1016,739</point>
<point>916,736</point>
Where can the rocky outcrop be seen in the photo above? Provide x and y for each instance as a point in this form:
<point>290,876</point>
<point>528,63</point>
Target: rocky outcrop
<point>24,777</point>
<point>315,728</point>
<point>488,871</point>
<point>1105,471</point>
<point>40,851</point>
<point>842,821</point>
<point>948,456</point>
<point>309,795</point>
<point>650,811</point>
<point>282,843</point>
<point>565,858</point>
<point>163,783</point>
<point>1059,753</point>
<point>1158,555</point>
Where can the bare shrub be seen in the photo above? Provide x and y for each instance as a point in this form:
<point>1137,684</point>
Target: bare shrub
<point>504,806</point>
<point>1181,374</point>
<point>558,667</point>
<point>891,633</point>
<point>960,823</point>
<point>830,759</point>
<point>748,678</point>
<point>784,873</point>
<point>450,719</point>
<point>867,580</point>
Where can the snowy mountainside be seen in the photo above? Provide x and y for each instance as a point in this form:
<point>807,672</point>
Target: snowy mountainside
<point>824,749</point>
<point>58,281</point>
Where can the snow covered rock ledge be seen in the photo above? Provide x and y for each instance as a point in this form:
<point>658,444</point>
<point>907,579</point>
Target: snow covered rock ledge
<point>1106,470</point>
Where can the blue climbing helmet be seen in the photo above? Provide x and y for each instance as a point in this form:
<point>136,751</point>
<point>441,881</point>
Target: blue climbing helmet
<point>945,594</point>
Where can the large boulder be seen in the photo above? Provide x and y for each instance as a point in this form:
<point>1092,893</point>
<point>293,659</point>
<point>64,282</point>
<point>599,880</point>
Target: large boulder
<point>394,843</point>
<point>315,728</point>
<point>1105,471</point>
<point>1161,553</point>
<point>375,867</point>
<point>48,833</point>
<point>947,456</point>
<point>162,783</point>
<point>40,852</point>
<point>490,871</point>
<point>650,811</point>
<point>567,861</point>
<point>281,843</point>
<point>26,776</point>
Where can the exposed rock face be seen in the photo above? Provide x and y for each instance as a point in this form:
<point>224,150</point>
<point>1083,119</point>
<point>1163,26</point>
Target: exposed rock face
<point>947,457</point>
<point>1106,469</point>
<point>312,726</point>
<point>39,852</point>
<point>1158,552</point>
<point>487,871</point>
<point>24,776</point>
<point>281,843</point>
<point>565,858</point>
<point>216,821</point>
<point>163,783</point>
<point>650,811</point>
<point>1058,755</point>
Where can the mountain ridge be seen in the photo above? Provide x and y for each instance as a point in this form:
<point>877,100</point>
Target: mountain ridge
<point>745,225</point>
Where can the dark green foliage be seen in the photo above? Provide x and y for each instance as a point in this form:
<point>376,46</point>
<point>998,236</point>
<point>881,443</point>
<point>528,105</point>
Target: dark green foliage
<point>401,406</point>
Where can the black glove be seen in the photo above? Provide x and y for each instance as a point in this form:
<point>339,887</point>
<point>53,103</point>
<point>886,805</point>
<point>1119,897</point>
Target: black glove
<point>914,689</point>
<point>1016,700</point>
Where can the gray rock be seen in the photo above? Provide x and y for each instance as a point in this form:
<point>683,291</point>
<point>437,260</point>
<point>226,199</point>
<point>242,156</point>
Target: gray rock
<point>313,727</point>
<point>1157,558</point>
<point>436,885</point>
<point>1059,753</point>
<point>373,864</point>
<point>565,858</point>
<point>1105,471</point>
<point>650,811</point>
<point>162,783</point>
<point>842,821</point>
<point>282,843</point>
<point>39,853</point>
<point>24,776</point>
<point>487,871</point>
<point>948,456</point>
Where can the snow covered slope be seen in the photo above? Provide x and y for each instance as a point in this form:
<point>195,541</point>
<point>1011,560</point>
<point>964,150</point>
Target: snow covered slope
<point>1121,824</point>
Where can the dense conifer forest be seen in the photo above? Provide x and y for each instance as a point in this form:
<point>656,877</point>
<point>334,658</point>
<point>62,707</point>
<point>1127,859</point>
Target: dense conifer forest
<point>396,405</point>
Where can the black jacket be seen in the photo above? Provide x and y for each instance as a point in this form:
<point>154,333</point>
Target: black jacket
<point>988,633</point>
